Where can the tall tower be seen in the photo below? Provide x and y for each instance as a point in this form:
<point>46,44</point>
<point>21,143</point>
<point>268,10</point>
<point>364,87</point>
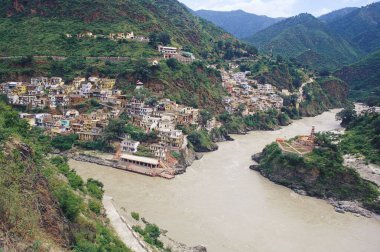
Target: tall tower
<point>312,134</point>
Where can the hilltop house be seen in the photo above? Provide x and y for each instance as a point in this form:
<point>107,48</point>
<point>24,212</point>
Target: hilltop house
<point>168,52</point>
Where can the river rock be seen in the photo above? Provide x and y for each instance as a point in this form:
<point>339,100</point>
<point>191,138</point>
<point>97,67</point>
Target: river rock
<point>199,249</point>
<point>300,192</point>
<point>257,157</point>
<point>254,167</point>
<point>350,206</point>
<point>198,156</point>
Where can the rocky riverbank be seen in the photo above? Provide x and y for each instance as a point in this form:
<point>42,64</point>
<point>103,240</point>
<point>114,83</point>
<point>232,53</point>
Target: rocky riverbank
<point>366,170</point>
<point>188,156</point>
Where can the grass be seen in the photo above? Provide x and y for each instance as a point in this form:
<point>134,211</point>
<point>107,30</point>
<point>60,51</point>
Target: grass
<point>43,202</point>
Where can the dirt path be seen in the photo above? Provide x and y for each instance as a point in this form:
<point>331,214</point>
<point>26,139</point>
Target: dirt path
<point>121,228</point>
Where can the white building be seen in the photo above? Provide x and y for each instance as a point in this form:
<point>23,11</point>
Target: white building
<point>129,146</point>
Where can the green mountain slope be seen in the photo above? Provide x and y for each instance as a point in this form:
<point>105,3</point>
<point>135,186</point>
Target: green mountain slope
<point>364,78</point>
<point>39,27</point>
<point>334,15</point>
<point>361,27</point>
<point>239,23</point>
<point>297,35</point>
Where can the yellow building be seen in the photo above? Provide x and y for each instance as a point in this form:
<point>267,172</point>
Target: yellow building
<point>107,83</point>
<point>20,89</point>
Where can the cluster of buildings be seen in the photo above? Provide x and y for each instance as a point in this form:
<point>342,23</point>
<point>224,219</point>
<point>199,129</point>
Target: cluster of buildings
<point>249,95</point>
<point>43,92</point>
<point>175,53</point>
<point>112,36</point>
<point>62,103</point>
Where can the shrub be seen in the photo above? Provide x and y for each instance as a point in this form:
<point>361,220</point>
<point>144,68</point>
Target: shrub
<point>64,143</point>
<point>76,182</point>
<point>176,155</point>
<point>95,206</point>
<point>95,188</point>
<point>70,203</point>
<point>135,216</point>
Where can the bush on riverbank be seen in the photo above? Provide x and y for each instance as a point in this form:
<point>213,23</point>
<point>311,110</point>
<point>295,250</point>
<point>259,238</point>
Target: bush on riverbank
<point>363,137</point>
<point>201,141</point>
<point>151,233</point>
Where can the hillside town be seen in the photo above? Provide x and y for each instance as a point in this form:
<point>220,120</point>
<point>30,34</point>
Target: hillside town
<point>58,108</point>
<point>57,100</point>
<point>248,96</point>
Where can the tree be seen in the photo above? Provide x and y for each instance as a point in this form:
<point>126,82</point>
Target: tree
<point>64,143</point>
<point>173,64</point>
<point>347,115</point>
<point>324,73</point>
<point>241,109</point>
<point>229,54</point>
<point>153,40</point>
<point>205,116</point>
<point>114,130</point>
<point>164,38</point>
<point>142,70</point>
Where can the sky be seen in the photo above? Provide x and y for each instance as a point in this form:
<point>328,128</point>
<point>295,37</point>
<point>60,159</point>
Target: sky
<point>276,8</point>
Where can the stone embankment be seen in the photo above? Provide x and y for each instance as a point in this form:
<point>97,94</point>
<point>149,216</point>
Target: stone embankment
<point>155,172</point>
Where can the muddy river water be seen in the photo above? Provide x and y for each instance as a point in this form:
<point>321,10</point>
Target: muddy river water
<point>221,204</point>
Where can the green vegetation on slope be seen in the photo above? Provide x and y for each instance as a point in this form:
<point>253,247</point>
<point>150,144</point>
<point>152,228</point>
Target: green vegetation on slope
<point>360,27</point>
<point>297,35</point>
<point>320,173</point>
<point>362,135</point>
<point>323,94</point>
<point>43,204</point>
<point>363,78</point>
<point>282,73</point>
<point>239,23</point>
<point>39,27</point>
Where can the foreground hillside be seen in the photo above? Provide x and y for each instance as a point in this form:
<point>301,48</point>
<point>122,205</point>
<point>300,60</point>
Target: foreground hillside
<point>44,25</point>
<point>363,78</point>
<point>305,34</point>
<point>45,206</point>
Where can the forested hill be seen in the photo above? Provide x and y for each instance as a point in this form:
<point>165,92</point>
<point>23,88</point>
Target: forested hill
<point>39,27</point>
<point>364,78</point>
<point>297,35</point>
<point>360,27</point>
<point>239,23</point>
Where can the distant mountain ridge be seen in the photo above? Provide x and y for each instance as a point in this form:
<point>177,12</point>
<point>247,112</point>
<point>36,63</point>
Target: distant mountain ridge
<point>334,15</point>
<point>360,27</point>
<point>239,23</point>
<point>297,35</point>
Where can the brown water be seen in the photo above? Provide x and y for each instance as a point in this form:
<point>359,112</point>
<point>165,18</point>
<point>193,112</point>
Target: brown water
<point>223,205</point>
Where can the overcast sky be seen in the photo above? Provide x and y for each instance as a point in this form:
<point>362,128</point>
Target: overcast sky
<point>276,8</point>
